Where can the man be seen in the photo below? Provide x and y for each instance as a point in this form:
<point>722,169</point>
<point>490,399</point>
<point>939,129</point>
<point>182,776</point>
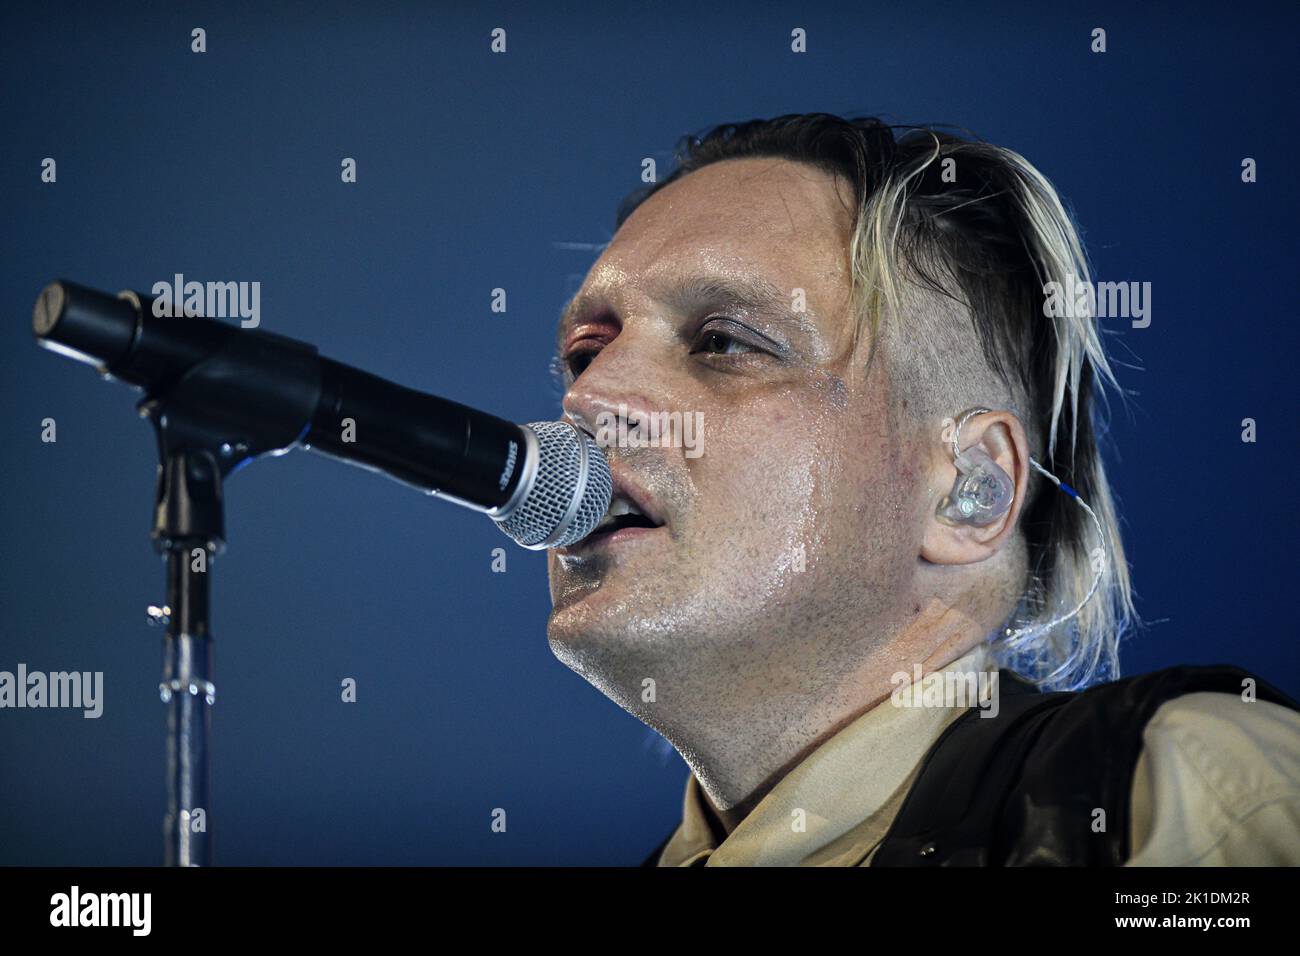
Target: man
<point>862,322</point>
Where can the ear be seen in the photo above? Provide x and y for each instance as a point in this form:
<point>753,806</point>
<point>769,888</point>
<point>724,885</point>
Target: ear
<point>999,435</point>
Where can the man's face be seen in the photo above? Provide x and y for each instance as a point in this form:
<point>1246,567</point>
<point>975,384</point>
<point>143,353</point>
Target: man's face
<point>727,293</point>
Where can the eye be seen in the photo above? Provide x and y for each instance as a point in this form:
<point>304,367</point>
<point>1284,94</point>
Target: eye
<point>718,341</point>
<point>576,362</point>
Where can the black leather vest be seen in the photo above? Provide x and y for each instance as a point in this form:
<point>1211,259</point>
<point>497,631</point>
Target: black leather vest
<point>1023,788</point>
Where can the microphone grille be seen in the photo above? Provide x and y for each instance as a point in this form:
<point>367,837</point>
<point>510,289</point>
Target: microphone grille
<point>570,492</point>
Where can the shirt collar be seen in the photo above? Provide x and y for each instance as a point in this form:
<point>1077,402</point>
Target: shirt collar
<point>835,806</point>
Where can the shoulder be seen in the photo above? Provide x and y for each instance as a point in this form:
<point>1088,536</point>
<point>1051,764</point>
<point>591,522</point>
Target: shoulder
<point>1217,782</point>
<point>1166,768</point>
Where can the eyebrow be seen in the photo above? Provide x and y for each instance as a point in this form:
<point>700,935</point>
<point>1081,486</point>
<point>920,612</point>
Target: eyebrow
<point>693,293</point>
<point>745,291</point>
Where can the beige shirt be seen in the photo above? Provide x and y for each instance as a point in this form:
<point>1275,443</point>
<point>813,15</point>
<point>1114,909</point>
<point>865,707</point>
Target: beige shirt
<point>1217,783</point>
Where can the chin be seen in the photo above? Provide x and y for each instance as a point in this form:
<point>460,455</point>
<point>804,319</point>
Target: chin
<point>584,624</point>
<point>599,655</point>
<point>612,645</point>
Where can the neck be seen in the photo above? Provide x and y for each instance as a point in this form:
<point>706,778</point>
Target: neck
<point>740,753</point>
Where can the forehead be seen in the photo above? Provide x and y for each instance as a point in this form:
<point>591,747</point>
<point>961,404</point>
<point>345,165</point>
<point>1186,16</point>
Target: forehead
<point>784,222</point>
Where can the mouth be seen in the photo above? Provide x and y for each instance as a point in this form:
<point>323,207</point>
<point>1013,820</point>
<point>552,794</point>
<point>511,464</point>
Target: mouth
<point>631,515</point>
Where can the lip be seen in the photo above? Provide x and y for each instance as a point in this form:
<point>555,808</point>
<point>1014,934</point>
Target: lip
<point>605,540</point>
<point>627,487</point>
<point>624,486</point>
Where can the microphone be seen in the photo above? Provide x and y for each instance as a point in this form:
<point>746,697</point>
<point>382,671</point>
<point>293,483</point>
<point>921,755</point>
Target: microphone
<point>546,484</point>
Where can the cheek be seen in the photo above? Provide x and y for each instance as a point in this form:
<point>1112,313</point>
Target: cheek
<point>769,477</point>
<point>823,477</point>
<point>878,534</point>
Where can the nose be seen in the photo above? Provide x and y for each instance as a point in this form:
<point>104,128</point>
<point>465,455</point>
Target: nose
<point>614,386</point>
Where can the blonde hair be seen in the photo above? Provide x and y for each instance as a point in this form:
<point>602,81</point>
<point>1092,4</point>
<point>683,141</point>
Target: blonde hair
<point>977,224</point>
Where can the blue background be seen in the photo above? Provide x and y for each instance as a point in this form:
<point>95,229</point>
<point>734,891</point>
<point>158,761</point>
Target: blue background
<point>479,171</point>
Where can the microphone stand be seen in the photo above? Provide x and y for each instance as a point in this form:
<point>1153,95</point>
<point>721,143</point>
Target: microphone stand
<point>219,397</point>
<point>203,436</point>
<point>188,529</point>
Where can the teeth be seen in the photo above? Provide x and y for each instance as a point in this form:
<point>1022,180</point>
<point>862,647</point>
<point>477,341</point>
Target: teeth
<point>621,506</point>
<point>618,506</point>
